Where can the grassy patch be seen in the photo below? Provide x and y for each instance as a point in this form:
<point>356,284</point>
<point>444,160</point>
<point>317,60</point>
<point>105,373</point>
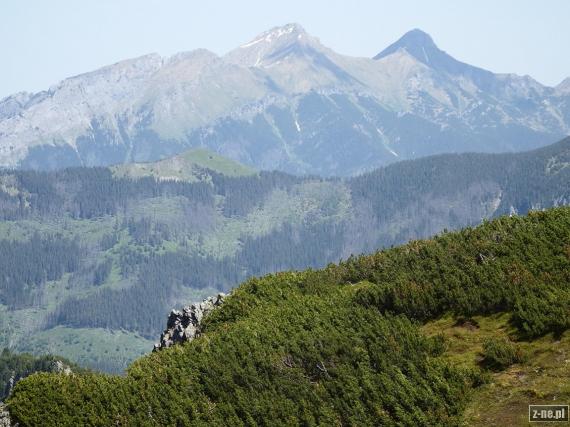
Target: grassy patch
<point>541,379</point>
<point>187,166</point>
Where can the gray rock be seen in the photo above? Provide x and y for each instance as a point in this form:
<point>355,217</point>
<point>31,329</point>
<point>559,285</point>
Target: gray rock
<point>184,325</point>
<point>5,420</point>
<point>10,385</point>
<point>61,368</point>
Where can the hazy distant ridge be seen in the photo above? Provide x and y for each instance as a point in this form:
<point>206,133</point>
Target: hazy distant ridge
<point>283,101</point>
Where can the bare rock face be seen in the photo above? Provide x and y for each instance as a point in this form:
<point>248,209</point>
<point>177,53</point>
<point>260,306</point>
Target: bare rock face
<point>10,386</point>
<point>184,325</point>
<point>5,420</point>
<point>61,368</point>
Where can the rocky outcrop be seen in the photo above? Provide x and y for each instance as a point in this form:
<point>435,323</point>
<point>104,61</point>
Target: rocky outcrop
<point>10,385</point>
<point>61,368</point>
<point>5,420</point>
<point>184,325</point>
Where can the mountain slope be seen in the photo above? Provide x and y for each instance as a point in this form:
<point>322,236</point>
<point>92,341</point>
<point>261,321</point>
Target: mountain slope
<point>282,101</point>
<point>341,345</point>
<point>113,244</point>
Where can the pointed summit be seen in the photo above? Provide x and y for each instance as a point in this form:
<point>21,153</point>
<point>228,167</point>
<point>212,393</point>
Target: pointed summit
<point>289,32</point>
<point>417,43</point>
<point>421,46</point>
<point>273,45</point>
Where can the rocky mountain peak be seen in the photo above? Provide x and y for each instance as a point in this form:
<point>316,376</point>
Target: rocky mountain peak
<point>417,43</point>
<point>274,45</point>
<point>291,30</point>
<point>289,33</point>
<point>422,48</point>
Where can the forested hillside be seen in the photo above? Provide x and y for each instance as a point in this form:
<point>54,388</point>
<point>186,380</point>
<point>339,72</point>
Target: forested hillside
<point>354,343</point>
<point>95,258</point>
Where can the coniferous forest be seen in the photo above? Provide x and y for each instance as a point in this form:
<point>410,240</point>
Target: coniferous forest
<point>96,256</point>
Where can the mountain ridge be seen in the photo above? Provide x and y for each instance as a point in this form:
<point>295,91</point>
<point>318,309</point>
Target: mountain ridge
<point>282,101</point>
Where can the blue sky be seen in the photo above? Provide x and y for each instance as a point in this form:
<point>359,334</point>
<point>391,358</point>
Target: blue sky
<point>43,42</point>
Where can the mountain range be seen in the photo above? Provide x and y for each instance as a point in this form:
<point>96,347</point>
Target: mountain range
<point>283,101</point>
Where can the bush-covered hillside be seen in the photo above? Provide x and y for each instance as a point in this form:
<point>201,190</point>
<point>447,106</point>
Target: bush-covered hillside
<point>14,367</point>
<point>340,346</point>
